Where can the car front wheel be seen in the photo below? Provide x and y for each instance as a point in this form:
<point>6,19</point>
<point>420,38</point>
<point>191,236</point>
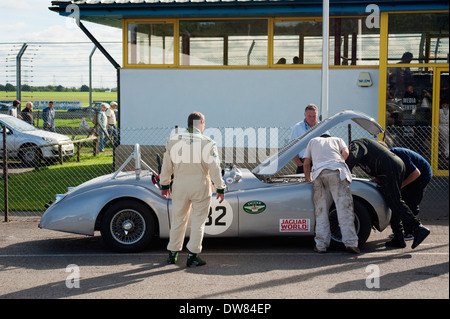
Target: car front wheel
<point>30,155</point>
<point>127,226</point>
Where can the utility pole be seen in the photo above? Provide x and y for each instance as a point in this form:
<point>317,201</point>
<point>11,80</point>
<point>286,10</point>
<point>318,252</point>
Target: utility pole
<point>325,33</point>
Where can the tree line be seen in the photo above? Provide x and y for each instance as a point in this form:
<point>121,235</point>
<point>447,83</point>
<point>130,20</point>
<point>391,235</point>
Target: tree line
<point>8,87</point>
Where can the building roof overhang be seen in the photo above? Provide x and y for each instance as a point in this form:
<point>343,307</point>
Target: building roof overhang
<point>112,12</point>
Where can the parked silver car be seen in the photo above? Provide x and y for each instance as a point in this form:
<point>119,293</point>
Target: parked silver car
<point>129,211</point>
<point>26,142</point>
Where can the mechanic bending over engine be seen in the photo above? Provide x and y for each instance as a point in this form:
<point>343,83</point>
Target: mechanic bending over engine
<point>388,170</point>
<point>331,178</point>
<point>194,161</point>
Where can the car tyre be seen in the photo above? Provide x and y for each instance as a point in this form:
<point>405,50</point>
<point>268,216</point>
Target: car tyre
<point>128,226</point>
<point>30,156</point>
<point>363,225</point>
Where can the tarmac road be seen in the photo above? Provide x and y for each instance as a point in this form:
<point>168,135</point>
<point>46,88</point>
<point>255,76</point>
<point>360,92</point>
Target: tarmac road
<point>37,263</point>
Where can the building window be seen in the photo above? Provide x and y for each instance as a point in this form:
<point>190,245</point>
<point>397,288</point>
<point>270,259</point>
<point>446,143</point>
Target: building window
<point>418,38</point>
<point>353,43</point>
<point>223,42</point>
<point>151,43</point>
<point>297,42</point>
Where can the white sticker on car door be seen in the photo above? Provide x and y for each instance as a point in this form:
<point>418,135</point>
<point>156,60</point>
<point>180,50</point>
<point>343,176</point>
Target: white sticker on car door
<point>220,217</point>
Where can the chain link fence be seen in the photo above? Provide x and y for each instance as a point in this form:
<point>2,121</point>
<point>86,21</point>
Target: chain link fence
<point>31,185</point>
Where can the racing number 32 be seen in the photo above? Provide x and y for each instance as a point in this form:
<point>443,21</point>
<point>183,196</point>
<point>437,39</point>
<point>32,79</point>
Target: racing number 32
<point>220,217</point>
<point>217,221</point>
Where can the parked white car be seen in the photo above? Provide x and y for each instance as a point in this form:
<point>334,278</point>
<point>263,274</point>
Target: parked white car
<point>26,142</point>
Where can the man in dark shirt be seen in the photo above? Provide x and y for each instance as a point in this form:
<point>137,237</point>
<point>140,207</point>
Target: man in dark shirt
<point>389,171</point>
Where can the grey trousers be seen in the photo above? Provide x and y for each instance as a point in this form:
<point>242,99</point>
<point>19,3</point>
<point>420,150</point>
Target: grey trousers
<point>328,187</point>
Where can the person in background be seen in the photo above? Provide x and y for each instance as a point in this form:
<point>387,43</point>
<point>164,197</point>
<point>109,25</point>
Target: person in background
<point>27,113</point>
<point>48,116</point>
<point>102,121</point>
<point>112,128</point>
<point>14,109</point>
<point>311,115</point>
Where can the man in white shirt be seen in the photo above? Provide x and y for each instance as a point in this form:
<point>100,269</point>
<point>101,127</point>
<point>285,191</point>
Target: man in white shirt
<point>112,128</point>
<point>13,110</point>
<point>331,178</point>
<point>311,114</point>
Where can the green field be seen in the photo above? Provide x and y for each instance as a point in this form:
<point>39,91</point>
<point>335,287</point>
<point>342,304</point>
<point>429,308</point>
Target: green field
<point>59,96</point>
<point>30,191</point>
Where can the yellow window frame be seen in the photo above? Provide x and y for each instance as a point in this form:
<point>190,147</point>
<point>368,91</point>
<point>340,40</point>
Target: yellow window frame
<point>125,52</point>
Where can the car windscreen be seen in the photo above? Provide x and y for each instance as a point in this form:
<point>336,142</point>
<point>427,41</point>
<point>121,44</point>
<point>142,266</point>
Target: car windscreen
<point>17,124</point>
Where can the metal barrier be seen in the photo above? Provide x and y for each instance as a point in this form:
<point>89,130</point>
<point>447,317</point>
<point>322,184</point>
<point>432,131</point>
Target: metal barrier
<point>30,188</point>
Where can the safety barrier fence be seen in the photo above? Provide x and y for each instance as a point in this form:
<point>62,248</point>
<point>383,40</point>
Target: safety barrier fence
<point>31,185</point>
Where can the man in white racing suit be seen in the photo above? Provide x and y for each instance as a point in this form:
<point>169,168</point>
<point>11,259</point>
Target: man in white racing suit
<point>193,160</point>
<point>331,182</point>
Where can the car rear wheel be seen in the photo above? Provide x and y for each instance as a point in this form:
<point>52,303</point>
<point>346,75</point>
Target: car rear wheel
<point>363,225</point>
<point>127,226</point>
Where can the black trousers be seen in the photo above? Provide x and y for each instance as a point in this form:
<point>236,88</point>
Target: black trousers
<point>390,186</point>
<point>412,194</point>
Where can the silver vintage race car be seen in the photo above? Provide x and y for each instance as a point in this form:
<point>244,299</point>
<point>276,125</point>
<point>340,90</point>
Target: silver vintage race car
<point>129,211</point>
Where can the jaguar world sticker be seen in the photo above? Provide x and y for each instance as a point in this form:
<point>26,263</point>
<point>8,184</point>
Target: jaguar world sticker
<point>254,207</point>
<point>289,225</point>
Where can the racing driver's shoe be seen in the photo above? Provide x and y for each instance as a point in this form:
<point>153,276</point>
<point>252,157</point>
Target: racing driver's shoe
<point>194,260</point>
<point>173,256</point>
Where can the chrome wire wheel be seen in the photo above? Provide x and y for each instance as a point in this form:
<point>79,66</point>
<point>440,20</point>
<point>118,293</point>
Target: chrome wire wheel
<point>127,227</point>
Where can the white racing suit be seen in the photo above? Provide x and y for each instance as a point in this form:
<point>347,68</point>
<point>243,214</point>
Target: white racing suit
<point>193,160</point>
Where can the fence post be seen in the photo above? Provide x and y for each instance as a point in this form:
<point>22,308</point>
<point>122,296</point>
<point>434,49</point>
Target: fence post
<point>19,72</point>
<point>5,173</point>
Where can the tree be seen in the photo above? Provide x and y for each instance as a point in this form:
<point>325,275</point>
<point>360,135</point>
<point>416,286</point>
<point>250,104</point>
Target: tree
<point>84,88</point>
<point>9,87</point>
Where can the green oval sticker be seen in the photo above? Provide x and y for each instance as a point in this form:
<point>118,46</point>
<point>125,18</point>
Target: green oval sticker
<point>254,207</point>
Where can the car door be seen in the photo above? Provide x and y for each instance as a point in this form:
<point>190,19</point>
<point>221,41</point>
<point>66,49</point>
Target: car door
<point>222,219</point>
<point>10,141</point>
<point>282,209</point>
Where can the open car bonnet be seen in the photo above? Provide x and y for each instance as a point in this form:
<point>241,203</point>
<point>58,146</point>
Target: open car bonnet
<point>276,162</point>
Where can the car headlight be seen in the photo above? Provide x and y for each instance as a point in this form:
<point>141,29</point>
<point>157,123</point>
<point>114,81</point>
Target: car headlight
<point>48,140</point>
